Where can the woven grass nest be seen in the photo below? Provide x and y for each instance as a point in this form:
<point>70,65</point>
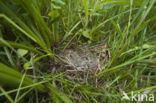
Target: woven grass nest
<point>81,63</point>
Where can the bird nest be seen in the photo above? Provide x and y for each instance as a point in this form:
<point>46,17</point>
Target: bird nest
<point>82,63</point>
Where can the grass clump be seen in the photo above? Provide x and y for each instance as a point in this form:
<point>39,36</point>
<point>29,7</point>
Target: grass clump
<point>33,31</point>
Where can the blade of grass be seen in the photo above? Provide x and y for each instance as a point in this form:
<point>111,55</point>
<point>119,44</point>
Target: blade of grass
<point>29,86</point>
<point>61,95</point>
<point>23,27</point>
<point>144,14</point>
<point>134,59</point>
<point>13,45</point>
<point>69,33</point>
<point>35,13</point>
<point>20,85</point>
<point>107,20</point>
<point>23,95</point>
<point>12,78</point>
<point>9,57</point>
<point>85,2</point>
<point>7,96</point>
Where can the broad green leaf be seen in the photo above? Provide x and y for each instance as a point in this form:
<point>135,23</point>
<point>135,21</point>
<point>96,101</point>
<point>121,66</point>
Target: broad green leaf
<point>146,46</point>
<point>28,65</point>
<point>12,78</point>
<point>53,14</point>
<point>87,34</point>
<point>59,2</point>
<point>22,52</point>
<point>56,6</point>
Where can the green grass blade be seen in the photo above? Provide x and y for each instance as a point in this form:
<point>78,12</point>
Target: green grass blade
<point>20,85</point>
<point>7,96</point>
<point>134,59</point>
<point>9,57</point>
<point>12,45</point>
